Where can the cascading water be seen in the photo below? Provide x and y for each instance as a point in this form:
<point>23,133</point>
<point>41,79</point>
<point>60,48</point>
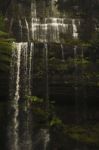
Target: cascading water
<point>27,27</point>
<point>20,25</point>
<point>13,129</point>
<point>53,8</point>
<point>75,32</point>
<point>46,57</point>
<point>75,84</point>
<point>21,72</point>
<point>62,49</point>
<point>83,87</point>
<point>17,94</point>
<point>31,55</point>
<point>33,9</point>
<point>39,30</point>
<point>76,88</point>
<point>11,23</point>
<point>51,29</point>
<point>24,72</point>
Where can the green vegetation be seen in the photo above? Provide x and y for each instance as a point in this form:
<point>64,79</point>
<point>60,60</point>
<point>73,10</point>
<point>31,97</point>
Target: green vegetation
<point>5,47</point>
<point>5,58</point>
<point>87,134</point>
<point>5,55</point>
<point>78,69</point>
<point>55,122</point>
<point>38,106</point>
<point>84,133</point>
<point>34,99</point>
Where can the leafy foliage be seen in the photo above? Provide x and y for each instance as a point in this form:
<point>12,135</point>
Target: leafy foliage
<point>5,47</point>
<point>5,54</point>
<point>34,99</point>
<point>5,57</point>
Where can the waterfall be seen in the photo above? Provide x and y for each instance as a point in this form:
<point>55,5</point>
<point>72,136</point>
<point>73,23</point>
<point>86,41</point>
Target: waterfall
<point>11,24</point>
<point>18,47</point>
<point>50,29</point>
<point>75,32</point>
<point>33,9</point>
<point>62,49</point>
<point>35,28</point>
<point>41,139</point>
<point>24,69</point>
<point>82,53</point>
<point>45,28</point>
<point>17,96</point>
<point>64,27</point>
<point>14,124</point>
<point>25,138</point>
<point>76,85</point>
<point>27,27</point>
<point>83,87</point>
<point>75,56</point>
<point>21,76</point>
<point>55,29</point>
<point>54,10</point>
<point>13,72</point>
<point>44,31</point>
<point>46,58</point>
<point>20,25</point>
<point>46,138</point>
<point>31,55</point>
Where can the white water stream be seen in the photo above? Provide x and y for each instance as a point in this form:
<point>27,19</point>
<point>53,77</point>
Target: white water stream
<point>44,30</point>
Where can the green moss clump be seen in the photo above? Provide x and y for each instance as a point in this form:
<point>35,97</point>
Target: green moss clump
<point>34,99</point>
<point>3,34</point>
<point>88,134</point>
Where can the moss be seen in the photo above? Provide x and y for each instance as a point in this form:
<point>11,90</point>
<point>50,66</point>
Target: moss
<point>88,134</point>
<point>85,134</point>
<point>77,42</point>
<point>5,55</point>
<point>55,122</point>
<point>56,64</point>
<point>41,113</point>
<point>34,99</point>
<point>3,34</point>
<point>5,47</point>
